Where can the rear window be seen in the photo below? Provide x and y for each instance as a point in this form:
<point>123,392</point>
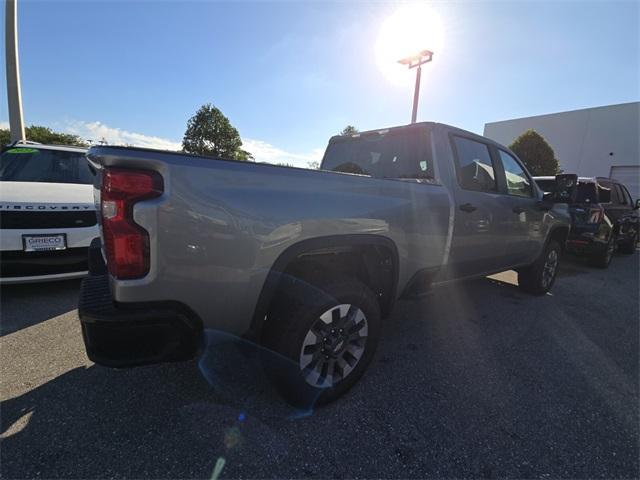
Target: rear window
<point>586,193</point>
<point>22,164</point>
<point>396,154</point>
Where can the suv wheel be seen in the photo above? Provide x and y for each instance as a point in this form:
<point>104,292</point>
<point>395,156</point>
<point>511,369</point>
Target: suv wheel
<point>327,333</point>
<point>603,259</point>
<point>629,247</point>
<point>538,278</point>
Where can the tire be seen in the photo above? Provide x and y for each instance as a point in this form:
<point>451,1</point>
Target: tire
<point>629,248</point>
<point>538,278</point>
<point>346,316</point>
<point>603,259</point>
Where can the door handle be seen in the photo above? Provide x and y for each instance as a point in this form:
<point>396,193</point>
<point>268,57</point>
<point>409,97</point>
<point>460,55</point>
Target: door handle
<point>518,210</point>
<point>467,207</point>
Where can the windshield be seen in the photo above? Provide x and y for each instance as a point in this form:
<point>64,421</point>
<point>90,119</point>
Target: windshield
<point>397,154</point>
<point>23,164</point>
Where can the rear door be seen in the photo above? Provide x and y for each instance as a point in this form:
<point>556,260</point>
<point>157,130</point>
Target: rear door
<point>479,243</point>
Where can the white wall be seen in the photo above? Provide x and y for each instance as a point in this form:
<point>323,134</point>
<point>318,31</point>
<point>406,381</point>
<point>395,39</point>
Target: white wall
<point>582,139</point>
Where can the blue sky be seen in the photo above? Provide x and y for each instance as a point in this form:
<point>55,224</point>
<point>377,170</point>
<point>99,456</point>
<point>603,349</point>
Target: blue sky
<point>291,74</point>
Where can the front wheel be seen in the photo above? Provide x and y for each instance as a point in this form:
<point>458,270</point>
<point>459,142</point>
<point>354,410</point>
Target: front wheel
<point>327,332</point>
<point>538,278</point>
<point>629,247</point>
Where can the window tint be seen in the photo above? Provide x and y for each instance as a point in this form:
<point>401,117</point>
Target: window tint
<point>397,154</point>
<point>518,182</point>
<point>22,164</point>
<point>475,169</point>
<point>604,192</point>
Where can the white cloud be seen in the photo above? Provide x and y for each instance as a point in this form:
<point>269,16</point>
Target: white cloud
<point>265,152</point>
<point>4,125</point>
<point>96,131</point>
<point>262,151</point>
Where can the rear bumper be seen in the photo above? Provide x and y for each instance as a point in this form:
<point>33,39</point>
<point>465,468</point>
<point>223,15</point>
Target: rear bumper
<point>24,267</point>
<point>126,335</point>
<point>42,278</point>
<point>585,243</point>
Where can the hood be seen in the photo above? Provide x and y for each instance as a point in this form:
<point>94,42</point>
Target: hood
<point>45,196</point>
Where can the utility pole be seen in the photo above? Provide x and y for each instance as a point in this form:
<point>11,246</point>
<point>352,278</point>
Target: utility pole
<point>16,122</point>
<point>413,61</point>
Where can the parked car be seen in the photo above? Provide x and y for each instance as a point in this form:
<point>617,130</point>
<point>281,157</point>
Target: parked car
<point>604,218</point>
<point>47,213</point>
<point>305,262</point>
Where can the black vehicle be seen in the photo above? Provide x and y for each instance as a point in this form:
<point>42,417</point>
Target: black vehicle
<point>604,218</point>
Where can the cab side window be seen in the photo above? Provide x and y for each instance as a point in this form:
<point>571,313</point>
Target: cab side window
<point>627,195</point>
<point>518,182</point>
<point>474,166</point>
<point>622,198</point>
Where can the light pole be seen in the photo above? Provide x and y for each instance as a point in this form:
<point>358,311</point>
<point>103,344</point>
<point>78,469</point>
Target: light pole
<point>16,123</point>
<point>413,61</point>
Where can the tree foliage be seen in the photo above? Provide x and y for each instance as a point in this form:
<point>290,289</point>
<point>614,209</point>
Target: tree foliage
<point>210,133</point>
<point>536,153</point>
<point>40,134</point>
<point>349,130</point>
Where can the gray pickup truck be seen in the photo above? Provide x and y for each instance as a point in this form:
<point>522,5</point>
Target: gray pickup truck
<point>304,263</point>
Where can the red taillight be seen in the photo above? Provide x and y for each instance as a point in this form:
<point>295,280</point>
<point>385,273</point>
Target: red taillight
<point>596,214</point>
<point>126,243</point>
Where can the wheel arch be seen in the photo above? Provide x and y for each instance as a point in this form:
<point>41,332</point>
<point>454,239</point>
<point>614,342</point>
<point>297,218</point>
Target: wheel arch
<point>358,244</point>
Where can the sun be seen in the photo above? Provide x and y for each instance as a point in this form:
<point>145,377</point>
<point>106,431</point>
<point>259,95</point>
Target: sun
<point>412,28</point>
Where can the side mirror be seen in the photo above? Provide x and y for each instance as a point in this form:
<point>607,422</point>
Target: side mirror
<point>637,204</point>
<point>566,188</point>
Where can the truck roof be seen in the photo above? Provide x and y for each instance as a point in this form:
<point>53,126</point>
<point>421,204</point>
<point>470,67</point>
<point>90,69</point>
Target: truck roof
<point>451,128</point>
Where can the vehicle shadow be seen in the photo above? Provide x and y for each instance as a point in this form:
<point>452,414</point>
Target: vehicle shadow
<point>151,422</point>
<point>464,384</point>
<point>25,305</point>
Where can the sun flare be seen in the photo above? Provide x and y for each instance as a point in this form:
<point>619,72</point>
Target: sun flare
<point>406,32</point>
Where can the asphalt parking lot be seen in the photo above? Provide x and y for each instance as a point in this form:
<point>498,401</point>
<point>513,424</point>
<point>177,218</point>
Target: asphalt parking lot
<point>476,380</point>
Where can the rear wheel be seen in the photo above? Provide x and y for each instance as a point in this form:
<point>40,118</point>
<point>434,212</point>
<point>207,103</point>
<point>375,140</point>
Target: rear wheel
<point>538,278</point>
<point>603,259</point>
<point>327,332</point>
<point>629,247</point>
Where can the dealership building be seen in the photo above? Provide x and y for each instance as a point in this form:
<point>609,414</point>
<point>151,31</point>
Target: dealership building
<point>600,141</point>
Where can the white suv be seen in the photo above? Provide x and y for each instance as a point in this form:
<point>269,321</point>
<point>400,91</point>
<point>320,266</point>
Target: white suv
<point>47,213</point>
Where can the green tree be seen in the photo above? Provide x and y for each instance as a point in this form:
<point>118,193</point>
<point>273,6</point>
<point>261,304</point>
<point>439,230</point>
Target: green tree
<point>349,130</point>
<point>210,133</point>
<point>536,153</point>
<point>37,133</point>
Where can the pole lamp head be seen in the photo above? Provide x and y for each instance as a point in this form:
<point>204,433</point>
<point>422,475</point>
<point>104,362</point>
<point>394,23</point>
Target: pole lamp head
<point>418,59</point>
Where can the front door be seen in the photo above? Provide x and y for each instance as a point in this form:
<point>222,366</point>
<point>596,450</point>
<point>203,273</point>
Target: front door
<point>478,244</point>
<point>524,221</point>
